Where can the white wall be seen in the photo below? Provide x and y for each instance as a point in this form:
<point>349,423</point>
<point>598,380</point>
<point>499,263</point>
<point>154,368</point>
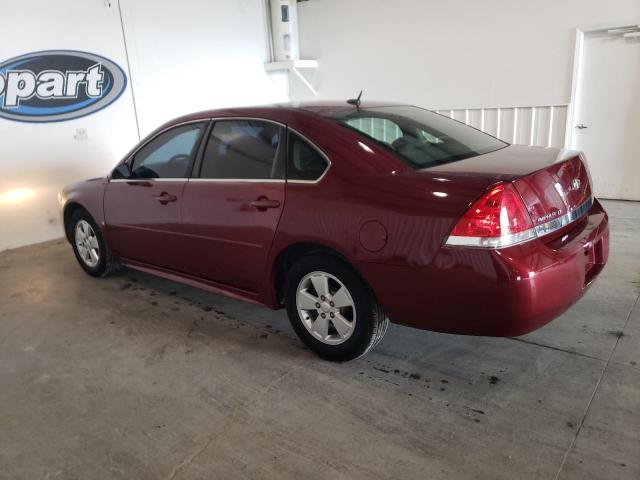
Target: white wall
<point>194,55</point>
<point>38,159</point>
<point>198,54</point>
<point>184,56</point>
<point>456,54</point>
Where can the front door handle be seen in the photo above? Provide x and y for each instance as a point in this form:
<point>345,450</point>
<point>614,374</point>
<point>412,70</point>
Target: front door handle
<point>263,203</point>
<point>580,126</point>
<point>165,198</point>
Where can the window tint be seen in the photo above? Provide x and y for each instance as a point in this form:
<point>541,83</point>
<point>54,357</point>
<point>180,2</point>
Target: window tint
<point>419,137</point>
<point>169,155</point>
<point>244,149</point>
<point>304,162</point>
<point>381,129</point>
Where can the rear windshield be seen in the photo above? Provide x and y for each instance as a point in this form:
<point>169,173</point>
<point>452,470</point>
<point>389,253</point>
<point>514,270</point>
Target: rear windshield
<point>419,137</point>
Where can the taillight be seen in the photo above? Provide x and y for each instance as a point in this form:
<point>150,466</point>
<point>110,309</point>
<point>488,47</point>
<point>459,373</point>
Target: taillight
<point>498,219</point>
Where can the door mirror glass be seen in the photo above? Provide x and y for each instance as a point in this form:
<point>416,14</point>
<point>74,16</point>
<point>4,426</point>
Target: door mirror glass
<point>121,171</point>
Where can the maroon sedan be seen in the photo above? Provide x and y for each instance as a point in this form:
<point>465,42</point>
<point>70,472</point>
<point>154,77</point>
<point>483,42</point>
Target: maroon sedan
<point>350,216</point>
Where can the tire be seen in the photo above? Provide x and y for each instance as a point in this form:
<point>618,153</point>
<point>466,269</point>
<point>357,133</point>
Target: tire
<point>351,330</point>
<point>81,222</point>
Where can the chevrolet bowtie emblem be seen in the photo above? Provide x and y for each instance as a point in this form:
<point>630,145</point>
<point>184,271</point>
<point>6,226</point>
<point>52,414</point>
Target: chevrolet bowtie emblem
<point>575,185</point>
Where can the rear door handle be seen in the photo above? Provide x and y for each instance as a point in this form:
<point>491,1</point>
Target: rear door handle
<point>263,203</point>
<point>165,198</point>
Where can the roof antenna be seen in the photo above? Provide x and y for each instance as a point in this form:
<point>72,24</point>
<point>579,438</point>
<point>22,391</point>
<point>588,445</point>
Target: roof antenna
<point>355,101</point>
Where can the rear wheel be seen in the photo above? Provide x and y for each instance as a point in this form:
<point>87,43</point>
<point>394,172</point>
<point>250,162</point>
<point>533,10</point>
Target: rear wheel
<point>89,246</point>
<point>331,309</point>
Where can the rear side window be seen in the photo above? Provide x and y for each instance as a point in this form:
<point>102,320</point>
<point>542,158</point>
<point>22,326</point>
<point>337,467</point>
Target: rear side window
<point>304,162</point>
<point>169,155</point>
<point>419,137</point>
<point>243,149</point>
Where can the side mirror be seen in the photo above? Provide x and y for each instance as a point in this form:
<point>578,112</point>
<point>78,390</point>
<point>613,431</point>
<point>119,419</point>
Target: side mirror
<point>121,171</point>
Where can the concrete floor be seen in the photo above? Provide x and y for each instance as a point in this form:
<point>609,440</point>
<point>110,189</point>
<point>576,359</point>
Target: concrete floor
<point>134,377</point>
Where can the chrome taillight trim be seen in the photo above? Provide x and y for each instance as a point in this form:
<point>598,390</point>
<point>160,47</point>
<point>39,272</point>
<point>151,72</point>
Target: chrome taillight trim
<point>560,222</point>
<point>524,236</point>
<point>492,242</point>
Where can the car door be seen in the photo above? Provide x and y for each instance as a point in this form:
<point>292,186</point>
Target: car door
<point>143,198</point>
<point>232,205</point>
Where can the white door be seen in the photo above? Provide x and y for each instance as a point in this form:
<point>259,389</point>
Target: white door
<point>606,121</point>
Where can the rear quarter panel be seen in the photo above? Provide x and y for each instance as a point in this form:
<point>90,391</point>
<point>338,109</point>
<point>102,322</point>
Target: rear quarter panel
<point>365,184</point>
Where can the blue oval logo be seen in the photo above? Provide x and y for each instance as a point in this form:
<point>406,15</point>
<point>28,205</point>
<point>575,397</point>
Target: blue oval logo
<point>58,85</point>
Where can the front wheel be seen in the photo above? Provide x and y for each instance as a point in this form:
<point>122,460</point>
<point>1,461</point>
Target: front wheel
<point>331,309</point>
<point>89,246</point>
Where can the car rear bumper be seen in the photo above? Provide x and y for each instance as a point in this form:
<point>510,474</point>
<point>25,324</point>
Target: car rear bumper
<point>505,292</point>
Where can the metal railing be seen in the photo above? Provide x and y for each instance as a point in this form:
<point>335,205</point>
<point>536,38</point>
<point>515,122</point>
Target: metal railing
<point>540,125</point>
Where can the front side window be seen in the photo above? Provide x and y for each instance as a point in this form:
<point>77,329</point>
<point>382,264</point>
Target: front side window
<point>243,149</point>
<point>419,137</point>
<point>304,162</point>
<point>170,154</point>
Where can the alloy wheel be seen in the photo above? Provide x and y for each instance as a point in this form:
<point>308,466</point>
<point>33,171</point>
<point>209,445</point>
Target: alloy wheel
<point>326,308</point>
<point>87,243</point>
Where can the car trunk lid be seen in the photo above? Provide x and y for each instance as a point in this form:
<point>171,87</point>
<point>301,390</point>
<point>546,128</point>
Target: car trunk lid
<point>553,183</point>
<point>556,195</point>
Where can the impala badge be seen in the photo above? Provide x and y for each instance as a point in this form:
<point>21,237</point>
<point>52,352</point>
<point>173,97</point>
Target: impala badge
<point>548,216</point>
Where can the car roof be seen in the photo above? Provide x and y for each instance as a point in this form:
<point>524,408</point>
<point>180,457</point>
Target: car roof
<point>279,111</point>
<point>328,108</point>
